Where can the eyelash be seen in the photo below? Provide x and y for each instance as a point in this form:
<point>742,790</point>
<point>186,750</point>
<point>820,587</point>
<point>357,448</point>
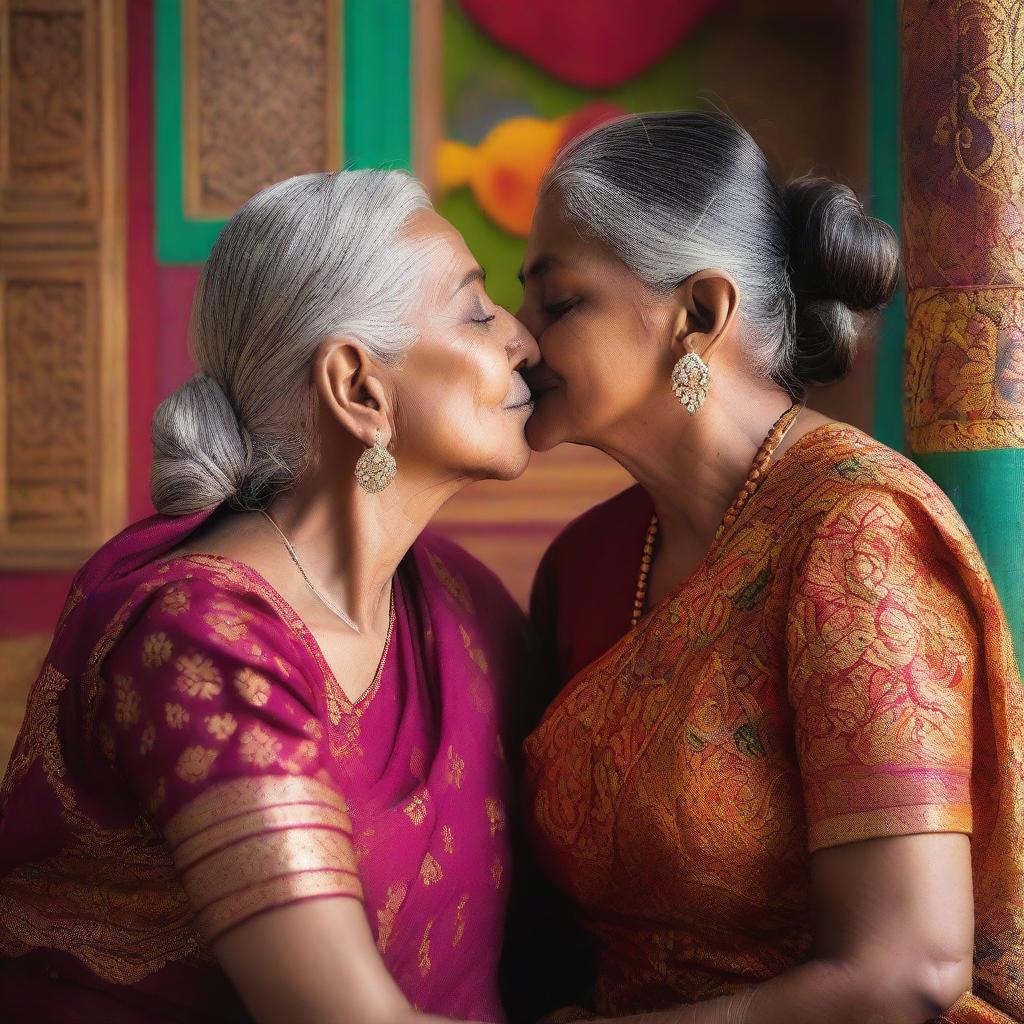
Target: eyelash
<point>557,309</point>
<point>485,320</point>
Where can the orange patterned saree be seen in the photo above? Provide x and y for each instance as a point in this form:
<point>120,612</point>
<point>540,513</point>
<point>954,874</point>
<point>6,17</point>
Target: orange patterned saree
<point>838,668</point>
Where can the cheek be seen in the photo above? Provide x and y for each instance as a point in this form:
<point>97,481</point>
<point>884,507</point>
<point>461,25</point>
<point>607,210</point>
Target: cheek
<point>476,381</point>
<point>441,395</point>
<point>452,409</point>
<point>603,367</point>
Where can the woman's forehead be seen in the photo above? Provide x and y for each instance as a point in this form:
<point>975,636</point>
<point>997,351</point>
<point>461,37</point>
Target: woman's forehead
<point>450,259</point>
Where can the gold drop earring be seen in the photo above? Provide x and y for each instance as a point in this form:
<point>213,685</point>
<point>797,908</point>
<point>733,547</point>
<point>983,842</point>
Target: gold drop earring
<point>690,379</point>
<point>376,467</point>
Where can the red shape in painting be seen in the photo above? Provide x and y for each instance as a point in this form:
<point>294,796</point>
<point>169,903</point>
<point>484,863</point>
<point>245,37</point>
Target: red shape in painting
<point>579,122</point>
<point>596,44</point>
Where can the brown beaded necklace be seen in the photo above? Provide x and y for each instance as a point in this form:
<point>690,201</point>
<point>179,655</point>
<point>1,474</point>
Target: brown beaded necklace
<point>753,481</point>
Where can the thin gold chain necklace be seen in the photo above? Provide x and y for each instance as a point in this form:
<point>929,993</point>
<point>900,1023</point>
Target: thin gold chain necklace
<point>768,447</point>
<point>321,597</point>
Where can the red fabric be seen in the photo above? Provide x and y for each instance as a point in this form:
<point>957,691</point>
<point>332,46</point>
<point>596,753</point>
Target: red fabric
<point>578,623</point>
<point>596,44</point>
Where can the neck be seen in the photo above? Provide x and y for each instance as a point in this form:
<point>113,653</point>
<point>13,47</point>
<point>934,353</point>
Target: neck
<point>351,542</point>
<point>693,468</point>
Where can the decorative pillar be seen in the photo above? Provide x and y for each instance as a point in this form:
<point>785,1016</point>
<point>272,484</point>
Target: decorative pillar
<point>963,231</point>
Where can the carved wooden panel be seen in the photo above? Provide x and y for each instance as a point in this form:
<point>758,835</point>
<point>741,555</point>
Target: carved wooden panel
<point>49,110</point>
<point>50,428</point>
<point>262,96</point>
<point>62,321</point>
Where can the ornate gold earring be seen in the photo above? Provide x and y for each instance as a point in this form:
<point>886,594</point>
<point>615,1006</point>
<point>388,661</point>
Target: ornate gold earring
<point>376,467</point>
<point>690,378</point>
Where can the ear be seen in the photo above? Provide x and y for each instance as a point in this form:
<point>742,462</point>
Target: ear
<point>345,380</point>
<point>707,303</point>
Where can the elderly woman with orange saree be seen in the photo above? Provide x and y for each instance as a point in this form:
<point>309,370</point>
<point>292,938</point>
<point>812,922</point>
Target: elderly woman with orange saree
<point>784,778</point>
<point>261,775</point>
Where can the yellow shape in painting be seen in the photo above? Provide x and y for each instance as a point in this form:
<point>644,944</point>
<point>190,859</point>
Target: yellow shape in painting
<point>504,171</point>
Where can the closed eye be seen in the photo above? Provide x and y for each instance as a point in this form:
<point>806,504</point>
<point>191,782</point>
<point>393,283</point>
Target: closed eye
<point>556,309</point>
<point>484,319</point>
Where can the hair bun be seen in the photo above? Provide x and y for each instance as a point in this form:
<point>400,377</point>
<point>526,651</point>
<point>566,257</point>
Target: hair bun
<point>201,453</point>
<point>842,260</point>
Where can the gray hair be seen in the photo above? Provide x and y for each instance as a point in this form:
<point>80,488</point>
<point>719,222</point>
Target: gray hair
<point>677,192</point>
<point>307,258</point>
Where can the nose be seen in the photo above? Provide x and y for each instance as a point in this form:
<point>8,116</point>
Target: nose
<point>522,349</point>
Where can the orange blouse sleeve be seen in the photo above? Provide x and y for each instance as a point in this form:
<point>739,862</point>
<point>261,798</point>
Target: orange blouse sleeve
<point>207,715</point>
<point>882,648</point>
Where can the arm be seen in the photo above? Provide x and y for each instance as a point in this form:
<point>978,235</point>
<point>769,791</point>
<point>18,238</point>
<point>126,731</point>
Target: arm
<point>895,936</point>
<point>313,963</point>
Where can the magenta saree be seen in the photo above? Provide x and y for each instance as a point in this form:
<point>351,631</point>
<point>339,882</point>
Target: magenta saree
<point>187,760</point>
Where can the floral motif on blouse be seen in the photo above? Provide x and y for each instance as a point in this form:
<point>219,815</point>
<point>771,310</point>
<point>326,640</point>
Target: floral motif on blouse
<point>221,727</point>
<point>252,687</point>
<point>198,676</point>
<point>126,710</point>
<point>259,747</point>
<point>194,763</point>
<point>176,600</point>
<point>156,650</point>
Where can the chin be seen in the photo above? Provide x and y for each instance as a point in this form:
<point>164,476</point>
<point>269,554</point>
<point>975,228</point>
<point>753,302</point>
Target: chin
<point>543,431</point>
<point>504,460</point>
<point>514,470</point>
<point>514,465</point>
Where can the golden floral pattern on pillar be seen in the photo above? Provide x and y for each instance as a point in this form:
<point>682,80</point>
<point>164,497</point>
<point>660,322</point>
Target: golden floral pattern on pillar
<point>965,369</point>
<point>963,225</point>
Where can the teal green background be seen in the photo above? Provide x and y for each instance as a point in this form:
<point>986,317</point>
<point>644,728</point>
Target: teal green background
<point>987,488</point>
<point>376,115</point>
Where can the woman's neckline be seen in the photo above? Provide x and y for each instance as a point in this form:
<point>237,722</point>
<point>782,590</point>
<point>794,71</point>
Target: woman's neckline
<point>297,625</point>
<point>770,474</point>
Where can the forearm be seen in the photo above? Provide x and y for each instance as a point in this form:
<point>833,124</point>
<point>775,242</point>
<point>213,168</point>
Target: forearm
<point>314,962</point>
<point>839,992</point>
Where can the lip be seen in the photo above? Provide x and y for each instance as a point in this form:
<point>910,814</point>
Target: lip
<point>519,394</point>
<point>522,405</point>
<point>541,380</point>
<point>539,388</point>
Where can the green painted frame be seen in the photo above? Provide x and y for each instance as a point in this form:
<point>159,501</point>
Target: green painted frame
<point>376,50</point>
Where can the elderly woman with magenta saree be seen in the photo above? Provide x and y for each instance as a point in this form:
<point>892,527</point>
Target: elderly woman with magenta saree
<point>789,693</point>
<point>262,771</point>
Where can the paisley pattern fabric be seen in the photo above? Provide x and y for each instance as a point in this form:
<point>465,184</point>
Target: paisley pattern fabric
<point>837,668</point>
<point>188,760</point>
